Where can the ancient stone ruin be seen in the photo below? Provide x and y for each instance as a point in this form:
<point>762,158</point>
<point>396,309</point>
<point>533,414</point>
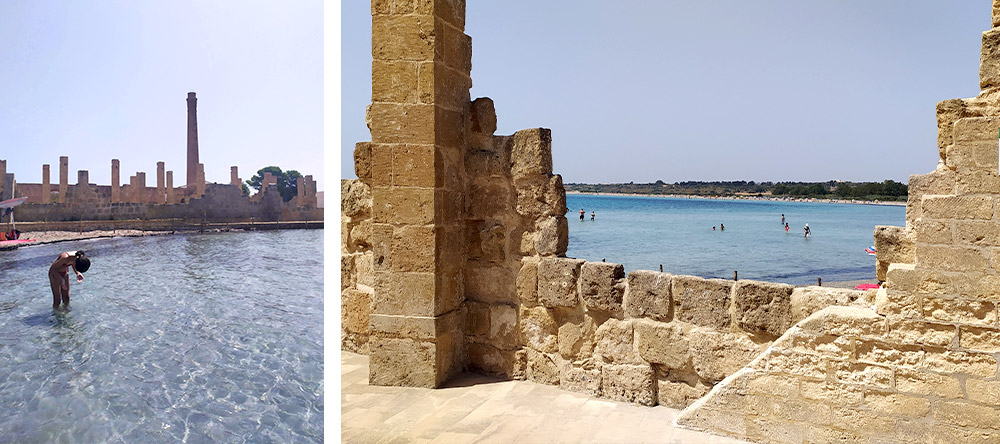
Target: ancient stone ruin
<point>453,245</point>
<point>196,199</point>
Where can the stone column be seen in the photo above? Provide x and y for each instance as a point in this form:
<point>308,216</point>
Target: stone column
<point>160,188</point>
<point>300,189</point>
<point>3,173</point>
<point>8,186</point>
<point>46,186</point>
<point>140,188</point>
<point>63,177</point>
<point>267,181</point>
<point>170,187</point>
<point>116,189</point>
<point>234,176</point>
<point>82,178</point>
<point>420,94</point>
<point>192,140</point>
<point>201,180</point>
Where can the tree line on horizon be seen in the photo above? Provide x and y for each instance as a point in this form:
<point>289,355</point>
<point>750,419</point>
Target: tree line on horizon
<point>887,190</point>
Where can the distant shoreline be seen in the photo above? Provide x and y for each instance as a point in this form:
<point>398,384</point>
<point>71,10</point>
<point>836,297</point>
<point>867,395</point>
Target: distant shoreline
<point>773,199</point>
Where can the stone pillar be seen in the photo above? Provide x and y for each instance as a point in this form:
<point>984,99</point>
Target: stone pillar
<point>160,188</point>
<point>63,177</point>
<point>139,192</point>
<point>192,140</point>
<point>234,176</point>
<point>82,178</point>
<point>170,187</point>
<point>267,181</point>
<point>8,186</point>
<point>420,94</point>
<point>46,186</point>
<point>310,191</point>
<point>300,192</point>
<point>116,189</point>
<point>3,174</point>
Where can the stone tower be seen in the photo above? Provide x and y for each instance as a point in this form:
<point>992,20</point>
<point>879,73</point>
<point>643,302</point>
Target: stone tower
<point>192,140</point>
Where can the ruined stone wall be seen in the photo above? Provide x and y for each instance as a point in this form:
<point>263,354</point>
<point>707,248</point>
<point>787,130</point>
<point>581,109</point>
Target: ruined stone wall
<point>922,364</point>
<point>219,203</point>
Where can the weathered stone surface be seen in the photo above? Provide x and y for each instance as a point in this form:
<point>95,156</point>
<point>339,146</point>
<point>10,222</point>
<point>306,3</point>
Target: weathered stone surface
<point>892,245</point>
<point>491,360</point>
<point>527,281</point>
<point>402,362</point>
<point>484,116</point>
<point>557,281</point>
<point>702,302</point>
<point>346,271</point>
<point>363,160</point>
<point>602,286</point>
<point>984,339</point>
<point>356,198</point>
<point>845,321</point>
<point>504,333</point>
<point>989,66</point>
<point>717,355</point>
<point>921,332</point>
<point>576,337</point>
<point>898,355</point>
<point>488,200</point>
<point>615,343</point>
<point>648,296</point>
<point>797,364</point>
<point>542,368</point>
<point>940,181</point>
<point>667,344</point>
<point>953,361</point>
<point>808,300</point>
<point>477,318</point>
<point>679,395</point>
<point>925,383</point>
<point>532,153</point>
<point>957,310</point>
<point>629,383</point>
<point>762,307</point>
<point>839,347</point>
<point>875,376</point>
<point>539,329</point>
<point>552,236</point>
<point>494,284</point>
<point>540,196</point>
<point>957,207</point>
<point>579,379</point>
<point>355,308</point>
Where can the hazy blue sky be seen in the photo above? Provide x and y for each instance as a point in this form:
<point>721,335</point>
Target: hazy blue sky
<point>710,90</point>
<point>98,80</point>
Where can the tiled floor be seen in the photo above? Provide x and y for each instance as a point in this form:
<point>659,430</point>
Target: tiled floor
<point>474,408</point>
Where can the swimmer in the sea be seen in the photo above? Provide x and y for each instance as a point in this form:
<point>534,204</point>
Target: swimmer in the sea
<point>59,274</point>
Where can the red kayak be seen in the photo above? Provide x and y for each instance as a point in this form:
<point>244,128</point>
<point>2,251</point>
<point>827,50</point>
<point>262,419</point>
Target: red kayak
<point>17,242</point>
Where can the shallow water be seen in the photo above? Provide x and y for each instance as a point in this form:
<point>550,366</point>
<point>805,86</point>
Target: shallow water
<point>644,232</point>
<point>194,338</point>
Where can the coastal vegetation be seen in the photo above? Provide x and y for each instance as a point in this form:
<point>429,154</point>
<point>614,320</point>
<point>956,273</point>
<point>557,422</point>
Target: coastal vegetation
<point>888,190</point>
<point>287,182</point>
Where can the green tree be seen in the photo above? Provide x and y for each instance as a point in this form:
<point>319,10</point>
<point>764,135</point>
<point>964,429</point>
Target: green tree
<point>287,181</point>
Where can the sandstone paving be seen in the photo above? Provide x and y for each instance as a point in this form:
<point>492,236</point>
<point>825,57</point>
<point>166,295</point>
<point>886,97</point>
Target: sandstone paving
<point>473,408</point>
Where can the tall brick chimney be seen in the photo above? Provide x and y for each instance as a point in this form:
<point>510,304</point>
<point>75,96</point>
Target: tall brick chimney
<point>192,140</point>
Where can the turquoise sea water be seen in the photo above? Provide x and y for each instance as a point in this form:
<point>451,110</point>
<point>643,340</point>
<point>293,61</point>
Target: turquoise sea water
<point>643,232</point>
<point>178,338</point>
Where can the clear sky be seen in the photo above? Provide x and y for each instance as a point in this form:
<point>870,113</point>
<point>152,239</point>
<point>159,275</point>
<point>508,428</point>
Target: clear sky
<point>710,90</point>
<point>98,80</point>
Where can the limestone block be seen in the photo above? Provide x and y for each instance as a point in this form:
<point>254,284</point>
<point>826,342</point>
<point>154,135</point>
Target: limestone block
<point>897,404</point>
<point>394,81</point>
<point>489,200</point>
<point>477,318</point>
<point>365,277</point>
<point>615,343</point>
<point>402,362</point>
<point>413,248</point>
<point>355,309</point>
<point>978,233</point>
<point>540,196</point>
<point>487,241</point>
<point>363,160</point>
<point>957,207</point>
<point>579,379</point>
<point>527,281</point>
<point>483,115</point>
<point>360,237</point>
<point>647,295</point>
<point>416,165</point>
<point>927,231</point>
<point>948,112</point>
<point>865,374</point>
<point>602,286</point>
<point>762,307</point>
<point>667,344</point>
<point>977,181</point>
<point>965,414</point>
<point>542,368</point>
<point>840,347</point>
<point>702,302</point>
<point>356,198</point>
<point>906,277</point>
<point>552,237</point>
<point>679,395</point>
<point>403,37</point>
<point>392,123</point>
<point>504,332</point>
<point>987,392</point>
<point>989,65</point>
<point>494,284</point>
<point>403,205</point>
<point>921,332</point>
<point>532,153</point>
<point>925,383</point>
<point>845,321</point>
<point>629,383</point>
<point>716,355</point>
<point>892,244</point>
<point>953,361</point>
<point>346,271</point>
<point>491,360</point>
<point>539,329</point>
<point>958,310</point>
<point>940,181</point>
<point>808,300</point>
<point>898,355</point>
<point>557,281</point>
<point>979,338</point>
<point>790,363</point>
<point>576,337</point>
<point>829,392</point>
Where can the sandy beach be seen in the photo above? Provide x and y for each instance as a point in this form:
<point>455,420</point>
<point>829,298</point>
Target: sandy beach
<point>748,197</point>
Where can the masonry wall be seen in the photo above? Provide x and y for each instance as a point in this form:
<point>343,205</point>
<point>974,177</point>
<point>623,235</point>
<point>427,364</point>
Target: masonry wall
<point>922,364</point>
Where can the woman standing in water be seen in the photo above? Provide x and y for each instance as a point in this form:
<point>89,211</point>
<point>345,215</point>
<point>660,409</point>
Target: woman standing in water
<point>59,274</point>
